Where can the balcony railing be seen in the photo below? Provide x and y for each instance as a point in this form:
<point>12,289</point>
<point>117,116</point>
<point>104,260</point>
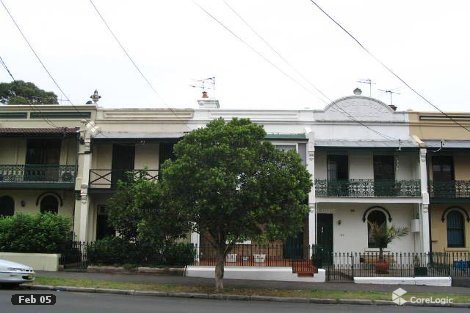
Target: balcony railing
<point>450,189</point>
<point>367,188</point>
<point>108,178</point>
<point>27,175</point>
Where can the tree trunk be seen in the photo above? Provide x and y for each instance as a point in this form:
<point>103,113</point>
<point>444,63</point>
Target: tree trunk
<point>219,269</point>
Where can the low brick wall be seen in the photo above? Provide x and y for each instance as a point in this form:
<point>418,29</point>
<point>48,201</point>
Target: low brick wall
<point>38,261</point>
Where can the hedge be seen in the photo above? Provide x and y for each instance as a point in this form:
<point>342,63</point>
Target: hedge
<point>40,233</point>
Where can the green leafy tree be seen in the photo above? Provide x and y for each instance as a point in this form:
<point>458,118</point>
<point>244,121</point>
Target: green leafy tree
<point>233,185</point>
<point>382,235</point>
<point>138,212</point>
<point>20,92</point>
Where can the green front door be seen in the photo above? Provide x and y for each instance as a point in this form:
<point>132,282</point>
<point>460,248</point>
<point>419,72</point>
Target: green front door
<point>293,247</point>
<point>324,249</point>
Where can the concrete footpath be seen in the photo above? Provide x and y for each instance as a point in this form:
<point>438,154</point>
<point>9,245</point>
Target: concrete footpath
<point>236,283</point>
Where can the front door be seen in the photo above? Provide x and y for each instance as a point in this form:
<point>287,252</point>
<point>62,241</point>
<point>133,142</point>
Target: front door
<point>338,175</point>
<point>293,247</point>
<point>123,162</point>
<point>324,250</point>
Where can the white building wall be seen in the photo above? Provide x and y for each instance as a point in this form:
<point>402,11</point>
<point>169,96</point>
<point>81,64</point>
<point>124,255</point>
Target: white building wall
<point>350,232</point>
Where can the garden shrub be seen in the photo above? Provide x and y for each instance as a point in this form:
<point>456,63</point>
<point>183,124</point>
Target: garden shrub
<point>39,233</point>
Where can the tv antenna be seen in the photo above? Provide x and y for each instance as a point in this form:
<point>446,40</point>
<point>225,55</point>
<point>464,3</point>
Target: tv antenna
<point>391,92</point>
<point>369,82</point>
<point>204,84</point>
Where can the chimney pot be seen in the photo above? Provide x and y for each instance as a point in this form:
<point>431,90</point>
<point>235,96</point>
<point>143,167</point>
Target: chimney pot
<point>205,95</point>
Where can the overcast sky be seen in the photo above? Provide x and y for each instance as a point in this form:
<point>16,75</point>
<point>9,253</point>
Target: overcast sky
<point>175,43</point>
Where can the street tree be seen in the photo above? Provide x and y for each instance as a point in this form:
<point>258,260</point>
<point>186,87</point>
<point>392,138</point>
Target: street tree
<point>21,92</point>
<point>233,185</point>
<point>138,212</point>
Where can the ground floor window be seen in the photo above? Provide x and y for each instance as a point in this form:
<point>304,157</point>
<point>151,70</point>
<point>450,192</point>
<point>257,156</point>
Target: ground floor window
<point>49,204</point>
<point>455,229</point>
<point>375,217</point>
<point>7,206</point>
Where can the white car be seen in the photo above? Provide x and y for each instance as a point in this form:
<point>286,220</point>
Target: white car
<point>15,273</point>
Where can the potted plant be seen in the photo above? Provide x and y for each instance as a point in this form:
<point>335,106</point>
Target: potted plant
<point>382,235</point>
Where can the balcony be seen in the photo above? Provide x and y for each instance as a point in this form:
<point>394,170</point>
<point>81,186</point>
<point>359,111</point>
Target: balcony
<point>367,188</point>
<point>37,176</point>
<point>454,189</point>
<point>106,179</point>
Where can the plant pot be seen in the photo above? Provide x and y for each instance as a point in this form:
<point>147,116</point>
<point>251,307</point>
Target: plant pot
<point>381,267</point>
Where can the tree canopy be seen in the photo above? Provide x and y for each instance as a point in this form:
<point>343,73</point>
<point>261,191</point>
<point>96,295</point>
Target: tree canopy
<point>138,212</point>
<point>21,92</point>
<point>233,185</point>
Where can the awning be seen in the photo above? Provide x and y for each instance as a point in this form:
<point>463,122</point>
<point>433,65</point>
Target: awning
<point>39,132</point>
<point>447,144</point>
<point>136,136</point>
<point>395,144</point>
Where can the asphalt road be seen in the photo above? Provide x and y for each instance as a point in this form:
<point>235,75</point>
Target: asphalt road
<point>70,302</point>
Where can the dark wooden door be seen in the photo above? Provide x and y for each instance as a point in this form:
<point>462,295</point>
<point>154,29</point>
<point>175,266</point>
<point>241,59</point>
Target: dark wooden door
<point>123,162</point>
<point>325,238</point>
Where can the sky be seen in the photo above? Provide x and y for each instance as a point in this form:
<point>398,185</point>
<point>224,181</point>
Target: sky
<point>175,44</point>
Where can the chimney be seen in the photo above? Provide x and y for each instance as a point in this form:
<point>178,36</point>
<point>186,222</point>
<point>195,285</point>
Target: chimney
<point>207,103</point>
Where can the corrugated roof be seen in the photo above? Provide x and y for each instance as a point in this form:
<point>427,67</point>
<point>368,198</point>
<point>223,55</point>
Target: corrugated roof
<point>31,132</point>
<point>137,135</point>
<point>450,144</point>
<point>366,144</point>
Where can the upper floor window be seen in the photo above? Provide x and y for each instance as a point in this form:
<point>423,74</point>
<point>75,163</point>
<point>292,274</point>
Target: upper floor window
<point>338,167</point>
<point>49,204</point>
<point>455,229</point>
<point>43,151</point>
<point>442,168</point>
<point>384,167</point>
<point>7,206</point>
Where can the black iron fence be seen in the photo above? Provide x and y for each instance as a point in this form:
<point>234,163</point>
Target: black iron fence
<point>338,265</point>
<point>352,188</point>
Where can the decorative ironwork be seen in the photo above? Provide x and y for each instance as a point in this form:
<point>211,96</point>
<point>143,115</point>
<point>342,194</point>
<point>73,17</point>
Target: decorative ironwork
<point>38,173</point>
<point>108,178</point>
<point>367,188</point>
<point>450,189</point>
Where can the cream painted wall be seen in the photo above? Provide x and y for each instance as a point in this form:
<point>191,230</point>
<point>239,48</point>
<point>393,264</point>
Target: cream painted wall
<point>30,197</point>
<point>102,156</point>
<point>68,151</point>
<point>146,155</point>
<point>351,234</point>
<point>13,152</point>
<point>462,166</point>
<point>439,230</point>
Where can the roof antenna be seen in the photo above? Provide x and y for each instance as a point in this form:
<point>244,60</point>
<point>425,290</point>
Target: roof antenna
<point>442,146</point>
<point>391,92</point>
<point>204,85</point>
<point>369,82</point>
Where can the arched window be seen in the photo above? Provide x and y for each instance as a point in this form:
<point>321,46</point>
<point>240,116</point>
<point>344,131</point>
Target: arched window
<point>455,229</point>
<point>7,206</point>
<point>375,217</point>
<point>49,204</point>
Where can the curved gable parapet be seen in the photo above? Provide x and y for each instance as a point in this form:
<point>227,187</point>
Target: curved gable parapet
<point>362,109</point>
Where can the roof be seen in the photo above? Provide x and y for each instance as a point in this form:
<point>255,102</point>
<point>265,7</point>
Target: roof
<point>286,136</point>
<point>449,144</point>
<point>137,135</point>
<point>366,144</point>
<point>39,132</point>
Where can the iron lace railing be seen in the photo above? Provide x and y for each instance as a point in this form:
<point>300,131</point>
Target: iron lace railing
<point>449,189</point>
<point>108,178</point>
<point>34,173</point>
<point>367,188</point>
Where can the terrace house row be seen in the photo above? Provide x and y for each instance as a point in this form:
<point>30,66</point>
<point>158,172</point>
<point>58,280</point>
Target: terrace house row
<point>369,163</point>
